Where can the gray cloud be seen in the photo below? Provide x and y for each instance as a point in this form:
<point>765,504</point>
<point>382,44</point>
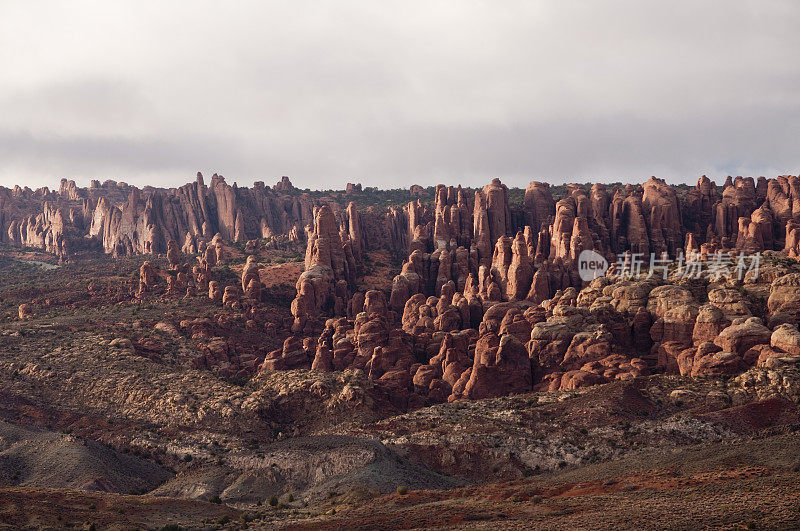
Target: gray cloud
<point>100,156</point>
<point>387,93</point>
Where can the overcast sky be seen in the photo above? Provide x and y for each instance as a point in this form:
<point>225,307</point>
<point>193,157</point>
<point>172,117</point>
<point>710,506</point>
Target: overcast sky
<point>394,93</point>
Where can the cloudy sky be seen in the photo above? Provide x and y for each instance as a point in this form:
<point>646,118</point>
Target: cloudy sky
<point>394,93</point>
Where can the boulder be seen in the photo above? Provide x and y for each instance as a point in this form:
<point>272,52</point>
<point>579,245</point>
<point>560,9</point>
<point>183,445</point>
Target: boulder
<point>786,338</point>
<point>717,364</point>
<point>743,335</point>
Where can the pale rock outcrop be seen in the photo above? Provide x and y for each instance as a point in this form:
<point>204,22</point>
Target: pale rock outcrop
<point>742,335</point>
<point>24,311</point>
<point>786,338</point>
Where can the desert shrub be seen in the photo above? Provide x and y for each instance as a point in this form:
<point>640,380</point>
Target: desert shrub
<point>402,490</point>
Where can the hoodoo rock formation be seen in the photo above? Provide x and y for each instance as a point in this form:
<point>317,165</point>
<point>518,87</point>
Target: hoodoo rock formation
<point>329,271</point>
<point>654,217</point>
<point>122,219</point>
<point>488,300</point>
<point>503,281</point>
